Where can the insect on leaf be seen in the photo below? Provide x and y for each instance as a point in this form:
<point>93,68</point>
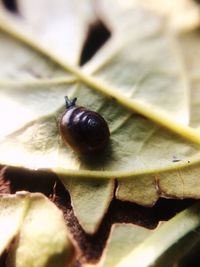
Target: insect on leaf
<point>143,81</point>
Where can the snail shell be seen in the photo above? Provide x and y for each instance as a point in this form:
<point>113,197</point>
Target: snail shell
<point>85,131</point>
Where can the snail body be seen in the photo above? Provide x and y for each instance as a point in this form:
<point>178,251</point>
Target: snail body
<point>85,131</point>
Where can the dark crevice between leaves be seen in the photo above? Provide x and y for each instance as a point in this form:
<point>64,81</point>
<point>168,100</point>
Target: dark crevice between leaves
<point>89,247</point>
<point>116,184</point>
<point>25,180</point>
<point>11,5</point>
<point>98,34</point>
<point>197,1</point>
<point>3,258</point>
<point>4,183</point>
<point>191,258</point>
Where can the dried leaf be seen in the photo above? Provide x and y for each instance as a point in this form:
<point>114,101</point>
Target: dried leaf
<point>123,236</point>
<point>141,81</point>
<point>122,240</point>
<point>167,246</point>
<point>41,237</point>
<point>142,190</point>
<point>11,211</point>
<point>90,200</point>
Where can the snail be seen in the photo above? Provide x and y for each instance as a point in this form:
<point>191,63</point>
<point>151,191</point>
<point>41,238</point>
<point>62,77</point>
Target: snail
<point>85,131</point>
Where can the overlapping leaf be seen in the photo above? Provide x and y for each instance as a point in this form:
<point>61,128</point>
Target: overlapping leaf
<point>92,197</point>
<point>173,235</point>
<point>167,245</point>
<point>38,230</point>
<point>123,239</point>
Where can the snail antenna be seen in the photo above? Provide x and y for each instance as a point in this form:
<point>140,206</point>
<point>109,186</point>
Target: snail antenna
<point>70,103</point>
<point>74,101</point>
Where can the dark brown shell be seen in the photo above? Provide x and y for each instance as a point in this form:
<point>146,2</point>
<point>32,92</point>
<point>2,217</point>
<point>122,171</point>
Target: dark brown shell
<point>84,130</point>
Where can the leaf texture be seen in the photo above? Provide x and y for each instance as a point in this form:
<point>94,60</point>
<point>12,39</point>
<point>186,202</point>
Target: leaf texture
<point>126,236</point>
<point>90,200</point>
<point>167,245</point>
<point>62,27</point>
<point>143,82</point>
<point>38,229</point>
<point>182,229</point>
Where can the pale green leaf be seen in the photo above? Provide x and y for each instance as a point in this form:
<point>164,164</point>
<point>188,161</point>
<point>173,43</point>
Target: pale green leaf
<point>169,243</point>
<point>122,240</point>
<point>142,190</point>
<point>41,237</point>
<point>61,27</point>
<point>19,61</point>
<point>181,14</point>
<point>140,154</point>
<point>90,200</point>
<point>189,46</point>
<point>12,210</point>
<point>29,102</point>
<point>144,61</point>
<point>181,183</point>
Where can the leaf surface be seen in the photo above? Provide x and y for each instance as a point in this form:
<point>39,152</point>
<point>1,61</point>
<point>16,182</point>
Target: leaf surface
<point>170,243</point>
<point>90,200</point>
<point>41,237</point>
<point>61,27</point>
<point>19,61</point>
<point>122,240</point>
<point>11,211</point>
<point>173,235</point>
<point>141,85</point>
<point>126,236</point>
